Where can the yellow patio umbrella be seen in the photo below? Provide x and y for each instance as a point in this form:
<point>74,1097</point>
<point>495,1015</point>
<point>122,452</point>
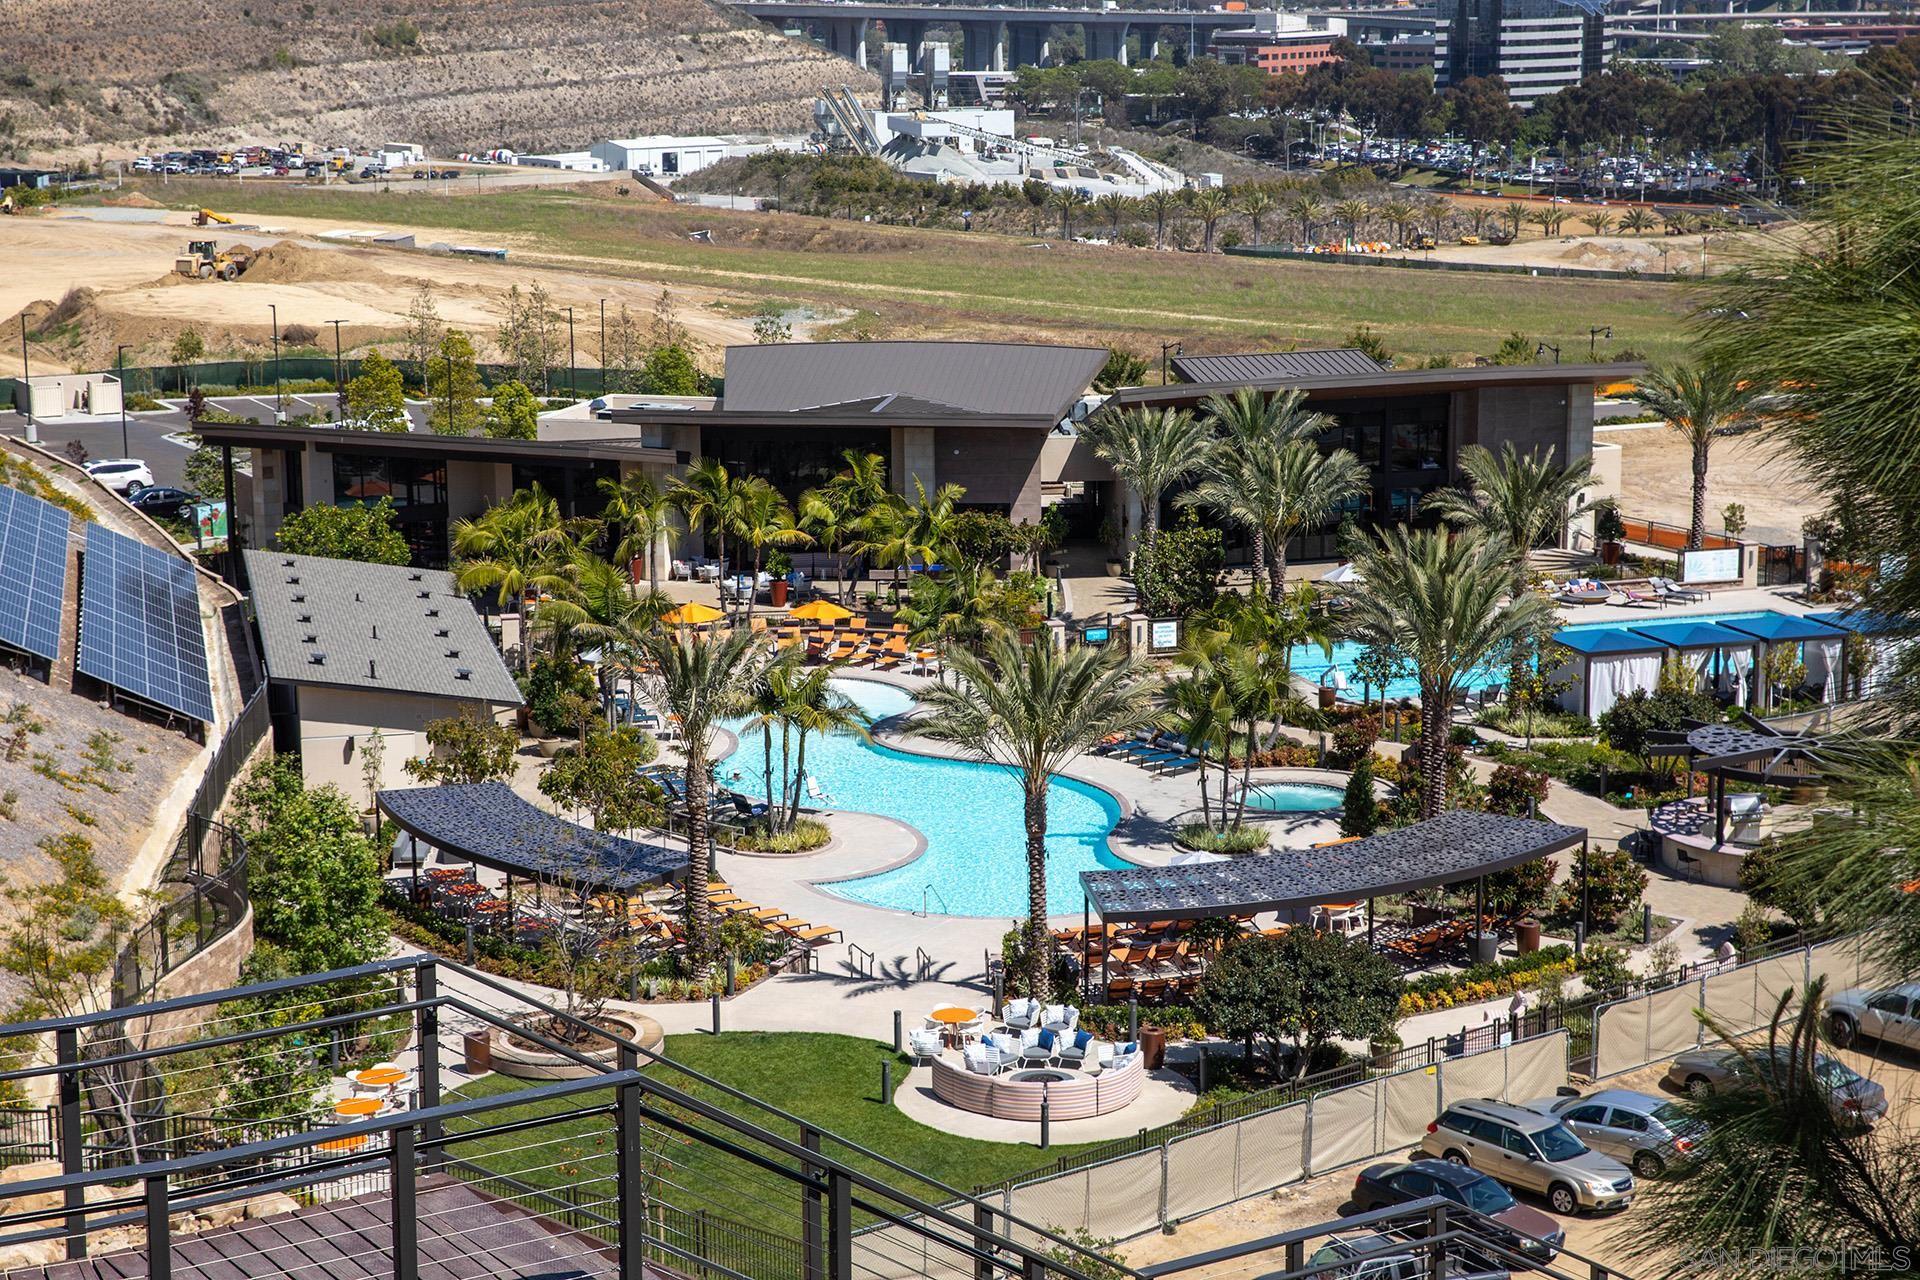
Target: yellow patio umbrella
<point>692,614</point>
<point>820,611</point>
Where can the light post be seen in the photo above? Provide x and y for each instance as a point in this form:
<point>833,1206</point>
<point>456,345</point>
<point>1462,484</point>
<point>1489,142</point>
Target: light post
<point>120,367</point>
<point>339,382</point>
<point>603,346</point>
<point>1593,335</point>
<point>1541,348</point>
<point>573,383</point>
<point>1177,348</point>
<point>26,380</point>
<point>279,400</point>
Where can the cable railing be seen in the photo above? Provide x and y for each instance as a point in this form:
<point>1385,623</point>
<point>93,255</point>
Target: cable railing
<point>641,1159</point>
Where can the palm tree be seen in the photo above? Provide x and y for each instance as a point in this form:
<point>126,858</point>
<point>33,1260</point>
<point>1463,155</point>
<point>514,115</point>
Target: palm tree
<point>762,519</point>
<point>1306,209</point>
<point>1033,709</point>
<point>1637,220</point>
<point>700,678</point>
<point>1256,205</point>
<point>1200,710</point>
<point>520,546</point>
<point>1152,450</point>
<point>1399,215</point>
<point>1162,204</point>
<point>597,607</point>
<point>1600,221</point>
<point>1350,214</point>
<point>1115,208</point>
<point>855,492</point>
<point>1209,205</point>
<point>707,497</point>
<point>1515,213</point>
<point>901,532</point>
<point>638,514</point>
<point>1699,401</point>
<point>1477,218</point>
<point>1681,222</point>
<point>1067,201</point>
<point>1435,596</point>
<point>815,708</point>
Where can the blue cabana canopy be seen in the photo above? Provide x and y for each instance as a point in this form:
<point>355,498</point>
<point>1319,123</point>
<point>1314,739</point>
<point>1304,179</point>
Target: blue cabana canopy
<point>1594,642</point>
<point>1783,628</point>
<point>1682,634</point>
<point>1864,621</point>
<point>490,824</point>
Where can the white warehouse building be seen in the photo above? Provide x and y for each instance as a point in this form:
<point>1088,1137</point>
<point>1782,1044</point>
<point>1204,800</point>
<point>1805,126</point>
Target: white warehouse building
<point>660,155</point>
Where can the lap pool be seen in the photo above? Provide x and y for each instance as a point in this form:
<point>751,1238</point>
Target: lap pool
<point>975,860</point>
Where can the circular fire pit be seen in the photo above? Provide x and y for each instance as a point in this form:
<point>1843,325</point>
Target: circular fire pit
<point>1017,1095</point>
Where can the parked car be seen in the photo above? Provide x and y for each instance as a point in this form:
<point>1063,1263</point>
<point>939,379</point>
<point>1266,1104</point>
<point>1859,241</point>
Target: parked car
<point>1344,1259</point>
<point>163,502</point>
<point>122,475</point>
<point>1891,1014</point>
<point>1532,1232</point>
<point>1645,1132</point>
<point>1853,1099</point>
<point>1525,1149</point>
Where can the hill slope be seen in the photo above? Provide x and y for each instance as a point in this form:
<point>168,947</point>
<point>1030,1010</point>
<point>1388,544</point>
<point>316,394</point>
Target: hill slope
<point>454,75</point>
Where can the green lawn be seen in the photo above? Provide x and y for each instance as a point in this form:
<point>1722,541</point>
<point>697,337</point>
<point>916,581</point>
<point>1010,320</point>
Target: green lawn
<point>929,281</point>
<point>832,1081</point>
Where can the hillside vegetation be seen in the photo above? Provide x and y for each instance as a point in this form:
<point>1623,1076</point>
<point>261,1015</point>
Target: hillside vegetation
<point>453,75</point>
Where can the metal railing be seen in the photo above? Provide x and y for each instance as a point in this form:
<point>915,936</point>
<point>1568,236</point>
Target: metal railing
<point>205,888</point>
<point>231,756</point>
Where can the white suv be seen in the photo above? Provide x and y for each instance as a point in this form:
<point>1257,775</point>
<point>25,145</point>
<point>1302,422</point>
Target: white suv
<point>122,475</point>
<point>1890,1015</point>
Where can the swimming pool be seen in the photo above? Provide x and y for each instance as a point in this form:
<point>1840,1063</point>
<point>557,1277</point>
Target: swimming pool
<point>1294,797</point>
<point>975,860</point>
<point>1310,663</point>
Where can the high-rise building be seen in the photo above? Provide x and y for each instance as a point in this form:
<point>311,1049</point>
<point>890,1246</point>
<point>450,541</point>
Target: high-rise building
<point>1536,46</point>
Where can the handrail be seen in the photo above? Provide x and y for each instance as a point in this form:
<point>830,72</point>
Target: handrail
<point>922,964</point>
<point>926,891</point>
<point>854,952</point>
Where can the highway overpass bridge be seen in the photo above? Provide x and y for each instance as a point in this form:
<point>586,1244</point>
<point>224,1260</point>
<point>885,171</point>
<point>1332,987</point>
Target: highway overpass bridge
<point>995,37</point>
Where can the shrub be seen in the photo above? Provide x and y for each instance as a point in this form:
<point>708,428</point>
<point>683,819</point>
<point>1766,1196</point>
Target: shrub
<point>1359,810</point>
<point>1232,841</point>
<point>806,835</point>
<point>1514,787</point>
<point>1351,740</point>
<point>299,335</point>
<point>1109,1021</point>
<point>1614,885</point>
<point>1433,991</point>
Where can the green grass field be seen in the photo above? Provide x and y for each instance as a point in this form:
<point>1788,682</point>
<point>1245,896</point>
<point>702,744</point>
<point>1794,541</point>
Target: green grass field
<point>923,282</point>
<point>828,1080</point>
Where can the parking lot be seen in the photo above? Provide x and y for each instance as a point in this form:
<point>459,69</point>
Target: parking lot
<point>1609,1239</point>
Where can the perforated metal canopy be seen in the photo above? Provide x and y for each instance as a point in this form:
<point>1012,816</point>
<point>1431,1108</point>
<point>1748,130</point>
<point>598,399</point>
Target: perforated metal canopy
<point>33,572</point>
<point>488,823</point>
<point>1456,846</point>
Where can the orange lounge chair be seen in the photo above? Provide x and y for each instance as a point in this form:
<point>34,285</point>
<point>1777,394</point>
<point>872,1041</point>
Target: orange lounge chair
<point>801,931</point>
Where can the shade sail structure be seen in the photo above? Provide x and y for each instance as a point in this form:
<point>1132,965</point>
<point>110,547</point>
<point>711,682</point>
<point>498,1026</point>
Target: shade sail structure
<point>1863,621</point>
<point>488,823</point>
<point>1684,634</point>
<point>1456,846</point>
<point>1598,641</point>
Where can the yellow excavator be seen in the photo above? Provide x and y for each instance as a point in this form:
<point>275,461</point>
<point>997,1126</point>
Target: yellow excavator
<point>206,216</point>
<point>203,260</point>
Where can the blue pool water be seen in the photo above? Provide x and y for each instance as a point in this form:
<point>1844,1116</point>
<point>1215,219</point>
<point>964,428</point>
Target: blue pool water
<point>975,861</point>
<point>1294,797</point>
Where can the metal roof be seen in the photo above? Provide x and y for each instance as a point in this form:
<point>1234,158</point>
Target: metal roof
<point>1683,634</point>
<point>1593,642</point>
<point>996,378</point>
<point>379,627</point>
<point>1780,628</point>
<point>1255,365</point>
<point>1863,621</point>
<point>1386,382</point>
<point>489,823</point>
<point>1461,844</point>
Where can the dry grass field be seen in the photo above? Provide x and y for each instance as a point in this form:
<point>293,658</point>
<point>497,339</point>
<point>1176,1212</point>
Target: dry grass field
<point>452,75</point>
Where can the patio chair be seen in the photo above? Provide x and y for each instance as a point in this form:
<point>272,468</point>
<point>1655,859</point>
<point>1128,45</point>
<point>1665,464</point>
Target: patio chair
<point>1119,989</point>
<point>980,1060</point>
<point>811,934</point>
<point>1037,1047</point>
<point>1639,596</point>
<point>924,1045</point>
<point>1020,1015</point>
<point>1078,1049</point>
<point>1059,1018</point>
<point>1112,1057</point>
<point>1672,590</point>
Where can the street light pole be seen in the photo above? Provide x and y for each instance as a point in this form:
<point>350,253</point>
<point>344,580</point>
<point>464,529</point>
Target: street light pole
<point>1177,348</point>
<point>603,346</point>
<point>279,397</point>
<point>573,379</point>
<point>1597,332</point>
<point>120,367</point>
<point>339,384</point>
<point>26,380</point>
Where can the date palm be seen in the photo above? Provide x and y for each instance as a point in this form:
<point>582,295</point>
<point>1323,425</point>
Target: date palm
<point>1152,450</point>
<point>1162,204</point>
<point>1066,202</point>
<point>1399,215</point>
<point>1256,205</point>
<point>1436,597</point>
<point>708,498</point>
<point>1033,709</point>
<point>800,702</point>
<point>700,678</point>
<point>638,515</point>
<point>763,521</point>
<point>1208,205</point>
<point>1306,209</point>
<point>520,546</point>
<point>1516,215</point>
<point>1699,402</point>
<point>1115,208</point>
<point>1350,214</point>
<point>1637,220</point>
<point>1600,221</point>
<point>902,532</point>
<point>595,606</point>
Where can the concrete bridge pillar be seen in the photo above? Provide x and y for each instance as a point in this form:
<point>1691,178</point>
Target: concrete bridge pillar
<point>1029,43</point>
<point>986,45</point>
<point>909,33</point>
<point>848,38</point>
<point>1106,41</point>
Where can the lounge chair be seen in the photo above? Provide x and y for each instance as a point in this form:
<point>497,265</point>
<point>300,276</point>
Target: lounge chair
<point>811,934</point>
<point>924,1045</point>
<point>1078,1049</point>
<point>1020,1015</point>
<point>1672,590</point>
<point>1637,596</point>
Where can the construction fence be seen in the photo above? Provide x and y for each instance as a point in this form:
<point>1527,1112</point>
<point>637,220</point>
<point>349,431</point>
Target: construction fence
<point>1208,1169</point>
<point>1655,1025</point>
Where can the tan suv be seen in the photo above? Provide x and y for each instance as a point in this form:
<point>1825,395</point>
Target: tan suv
<point>1525,1149</point>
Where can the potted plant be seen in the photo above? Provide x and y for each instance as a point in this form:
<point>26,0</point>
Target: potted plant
<point>1610,530</point>
<point>1382,1048</point>
<point>779,565</point>
<point>1526,935</point>
<point>1110,535</point>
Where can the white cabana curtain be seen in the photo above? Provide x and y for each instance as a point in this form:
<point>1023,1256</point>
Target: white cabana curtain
<point>1823,667</point>
<point>1611,678</point>
<point>1698,661</point>
<point>1739,664</point>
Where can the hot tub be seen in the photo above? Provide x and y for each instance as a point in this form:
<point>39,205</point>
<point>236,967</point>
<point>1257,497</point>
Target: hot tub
<point>1017,1094</point>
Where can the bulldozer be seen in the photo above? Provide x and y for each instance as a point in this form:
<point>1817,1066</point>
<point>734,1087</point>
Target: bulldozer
<point>203,260</point>
<point>206,216</point>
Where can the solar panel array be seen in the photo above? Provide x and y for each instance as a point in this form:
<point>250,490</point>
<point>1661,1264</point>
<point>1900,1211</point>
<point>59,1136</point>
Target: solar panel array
<point>140,624</point>
<point>33,572</point>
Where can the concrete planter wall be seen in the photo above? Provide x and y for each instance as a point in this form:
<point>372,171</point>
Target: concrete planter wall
<point>530,1062</point>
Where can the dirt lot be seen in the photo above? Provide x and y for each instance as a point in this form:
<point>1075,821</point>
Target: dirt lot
<point>127,265</point>
<point>1656,475</point>
<point>1610,1240</point>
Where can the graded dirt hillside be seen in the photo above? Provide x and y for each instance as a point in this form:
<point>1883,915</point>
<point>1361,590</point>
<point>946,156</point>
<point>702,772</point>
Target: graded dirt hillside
<point>452,75</point>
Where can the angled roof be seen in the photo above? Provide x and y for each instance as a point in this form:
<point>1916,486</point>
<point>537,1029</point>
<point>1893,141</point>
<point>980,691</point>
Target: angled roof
<point>1004,379</point>
<point>1382,382</point>
<point>1683,634</point>
<point>1779,628</point>
<point>489,823</point>
<point>1254,365</point>
<point>1864,621</point>
<point>1460,844</point>
<point>378,627</point>
<point>1596,642</point>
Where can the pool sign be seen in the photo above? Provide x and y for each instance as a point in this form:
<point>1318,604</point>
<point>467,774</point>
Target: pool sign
<point>1163,634</point>
<point>1711,564</point>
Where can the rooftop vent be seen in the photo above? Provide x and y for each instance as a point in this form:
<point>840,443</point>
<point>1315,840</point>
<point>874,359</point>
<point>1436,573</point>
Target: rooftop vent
<point>293,579</point>
<point>300,597</point>
<point>373,672</point>
<point>426,595</point>
<point>433,613</point>
<point>376,632</point>
<point>287,563</point>
<point>463,673</point>
<point>441,633</point>
<point>316,659</point>
<point>306,617</point>
<point>453,653</point>
<point>416,577</point>
<point>312,639</point>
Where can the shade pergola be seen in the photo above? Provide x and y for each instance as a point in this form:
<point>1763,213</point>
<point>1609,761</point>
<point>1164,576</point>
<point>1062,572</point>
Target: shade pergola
<point>488,823</point>
<point>1749,748</point>
<point>1456,846</point>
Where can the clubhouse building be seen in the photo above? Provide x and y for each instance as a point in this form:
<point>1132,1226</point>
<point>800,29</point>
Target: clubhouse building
<point>1003,420</point>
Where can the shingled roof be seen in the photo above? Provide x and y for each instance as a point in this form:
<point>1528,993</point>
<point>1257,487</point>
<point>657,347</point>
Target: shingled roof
<point>1002,379</point>
<point>375,627</point>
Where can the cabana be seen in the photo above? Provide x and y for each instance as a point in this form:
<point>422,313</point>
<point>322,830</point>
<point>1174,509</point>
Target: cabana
<point>1716,654</point>
<point>1819,644</point>
<point>1885,638</point>
<point>1607,663</point>
<point>1749,751</point>
<point>1456,846</point>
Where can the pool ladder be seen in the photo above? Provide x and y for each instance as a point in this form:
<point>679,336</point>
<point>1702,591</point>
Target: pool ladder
<point>929,892</point>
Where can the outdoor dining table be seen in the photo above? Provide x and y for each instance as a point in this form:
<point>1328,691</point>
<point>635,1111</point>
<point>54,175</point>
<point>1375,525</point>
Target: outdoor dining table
<point>381,1078</point>
<point>953,1021</point>
<point>358,1108</point>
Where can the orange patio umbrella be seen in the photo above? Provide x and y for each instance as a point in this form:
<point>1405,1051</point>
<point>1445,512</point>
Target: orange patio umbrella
<point>692,614</point>
<point>820,611</point>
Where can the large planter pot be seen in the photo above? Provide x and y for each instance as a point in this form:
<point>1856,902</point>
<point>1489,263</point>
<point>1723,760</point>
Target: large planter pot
<point>1327,696</point>
<point>551,747</point>
<point>1610,552</point>
<point>1527,936</point>
<point>1153,1047</point>
<point>1484,947</point>
<point>525,1060</point>
<point>779,590</point>
<point>1114,568</point>
<point>1380,1054</point>
<point>1808,793</point>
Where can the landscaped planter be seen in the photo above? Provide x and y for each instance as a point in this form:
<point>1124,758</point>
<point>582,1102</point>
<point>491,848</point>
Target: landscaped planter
<point>551,747</point>
<point>526,1060</point>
